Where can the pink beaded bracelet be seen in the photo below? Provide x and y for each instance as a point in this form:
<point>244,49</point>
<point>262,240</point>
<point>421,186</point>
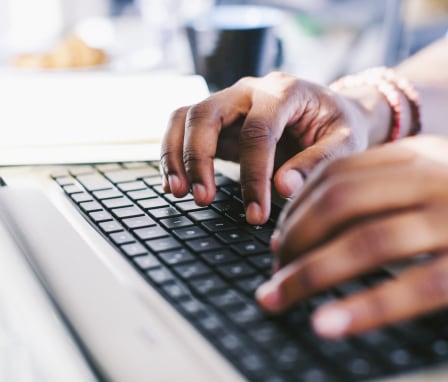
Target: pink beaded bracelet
<point>389,84</point>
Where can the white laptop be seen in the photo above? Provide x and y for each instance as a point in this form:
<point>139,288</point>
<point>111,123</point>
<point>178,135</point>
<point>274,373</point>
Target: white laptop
<point>103,277</point>
<point>77,305</point>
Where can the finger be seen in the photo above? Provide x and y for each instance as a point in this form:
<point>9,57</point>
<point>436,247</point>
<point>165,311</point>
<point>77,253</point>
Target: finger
<point>204,123</point>
<point>171,162</point>
<point>290,177</point>
<point>378,157</point>
<point>417,291</point>
<point>349,199</point>
<point>258,140</point>
<point>361,249</point>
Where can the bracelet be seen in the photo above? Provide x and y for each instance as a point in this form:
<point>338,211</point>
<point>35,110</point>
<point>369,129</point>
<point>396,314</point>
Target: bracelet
<point>389,84</point>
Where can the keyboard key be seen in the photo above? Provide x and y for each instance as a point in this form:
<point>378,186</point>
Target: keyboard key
<point>173,199</point>
<point>249,248</point>
<point>177,256</point>
<point>160,275</point>
<point>218,225</point>
<point>100,216</point>
<point>175,291</point>
<point>152,203</point>
<point>132,186</point>
<point>206,285</point>
<point>111,226</point>
<point>267,333</point>
<point>189,233</point>
<point>247,314</point>
<point>263,261</point>
<point>177,222</point>
<point>138,222</point>
<point>108,167</point>
<point>189,206</point>
<point>142,194</point>
<point>134,249</point>
<point>153,180</point>
<point>193,308</point>
<point>117,202</point>
<point>162,244</point>
<point>91,206</point>
<point>250,284</point>
<point>127,212</point>
<point>153,232</point>
<point>236,270</point>
<point>165,212</point>
<point>233,189</point>
<point>81,170</point>
<point>122,237</point>
<point>73,189</point>
<point>201,215</point>
<point>219,256</point>
<point>135,165</point>
<point>107,194</point>
<point>146,262</point>
<point>225,299</point>
<point>94,182</point>
<point>65,180</point>
<point>205,244</point>
<point>129,175</point>
<point>81,197</point>
<point>222,180</point>
<point>233,236</point>
<point>191,270</point>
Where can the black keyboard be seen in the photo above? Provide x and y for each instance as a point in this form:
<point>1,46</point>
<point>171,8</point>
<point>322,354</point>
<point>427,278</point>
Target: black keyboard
<point>207,262</point>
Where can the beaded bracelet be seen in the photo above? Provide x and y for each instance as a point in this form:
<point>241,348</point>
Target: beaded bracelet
<point>389,84</point>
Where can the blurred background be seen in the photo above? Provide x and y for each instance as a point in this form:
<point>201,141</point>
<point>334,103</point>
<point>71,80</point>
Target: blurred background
<point>322,39</point>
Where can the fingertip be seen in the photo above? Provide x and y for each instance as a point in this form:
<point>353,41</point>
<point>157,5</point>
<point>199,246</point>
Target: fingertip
<point>201,194</point>
<point>275,241</point>
<point>289,182</point>
<point>331,322</point>
<point>176,186</point>
<point>270,297</point>
<point>255,214</point>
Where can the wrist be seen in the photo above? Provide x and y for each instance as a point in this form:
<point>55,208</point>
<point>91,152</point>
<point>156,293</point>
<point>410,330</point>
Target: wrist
<point>377,112</point>
<point>389,91</point>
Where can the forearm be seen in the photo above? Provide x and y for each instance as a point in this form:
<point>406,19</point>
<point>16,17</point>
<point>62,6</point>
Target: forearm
<point>428,71</point>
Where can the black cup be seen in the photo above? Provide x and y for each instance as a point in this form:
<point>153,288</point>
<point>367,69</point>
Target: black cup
<point>233,41</point>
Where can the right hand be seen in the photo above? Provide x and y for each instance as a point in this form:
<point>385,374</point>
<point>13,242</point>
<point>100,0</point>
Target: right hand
<point>276,123</point>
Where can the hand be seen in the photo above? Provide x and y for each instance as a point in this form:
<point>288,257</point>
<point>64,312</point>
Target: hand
<point>357,214</point>
<point>276,122</point>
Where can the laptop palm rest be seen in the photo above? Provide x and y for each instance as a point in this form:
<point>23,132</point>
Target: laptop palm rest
<point>127,341</point>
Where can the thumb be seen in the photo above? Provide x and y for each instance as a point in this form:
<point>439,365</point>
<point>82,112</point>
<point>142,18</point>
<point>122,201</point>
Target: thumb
<point>290,177</point>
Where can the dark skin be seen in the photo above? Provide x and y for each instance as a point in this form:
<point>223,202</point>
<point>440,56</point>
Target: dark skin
<point>350,211</point>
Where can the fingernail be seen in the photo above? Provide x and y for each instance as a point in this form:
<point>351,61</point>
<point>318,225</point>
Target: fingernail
<point>269,296</point>
<point>254,214</point>
<point>275,240</point>
<point>165,184</point>
<point>331,322</point>
<point>293,182</point>
<point>174,182</point>
<point>199,191</point>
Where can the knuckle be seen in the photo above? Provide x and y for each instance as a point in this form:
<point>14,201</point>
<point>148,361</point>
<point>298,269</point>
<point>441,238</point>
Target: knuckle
<point>255,132</point>
<point>178,115</point>
<point>434,286</point>
<point>335,195</point>
<point>371,243</point>
<point>196,113</point>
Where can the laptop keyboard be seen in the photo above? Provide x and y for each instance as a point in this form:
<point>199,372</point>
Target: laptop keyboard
<point>207,262</point>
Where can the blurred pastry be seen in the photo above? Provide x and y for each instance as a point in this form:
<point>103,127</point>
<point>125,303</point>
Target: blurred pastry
<point>72,52</point>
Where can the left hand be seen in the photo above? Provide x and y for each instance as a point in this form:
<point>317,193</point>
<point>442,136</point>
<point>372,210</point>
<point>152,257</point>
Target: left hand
<point>357,214</point>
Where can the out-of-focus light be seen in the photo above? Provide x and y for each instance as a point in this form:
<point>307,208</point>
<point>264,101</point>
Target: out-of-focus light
<point>33,24</point>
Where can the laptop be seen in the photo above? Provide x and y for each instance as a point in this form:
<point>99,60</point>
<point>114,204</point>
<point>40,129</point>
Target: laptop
<point>104,277</point>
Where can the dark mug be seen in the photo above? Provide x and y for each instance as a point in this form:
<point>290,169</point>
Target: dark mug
<point>229,42</point>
